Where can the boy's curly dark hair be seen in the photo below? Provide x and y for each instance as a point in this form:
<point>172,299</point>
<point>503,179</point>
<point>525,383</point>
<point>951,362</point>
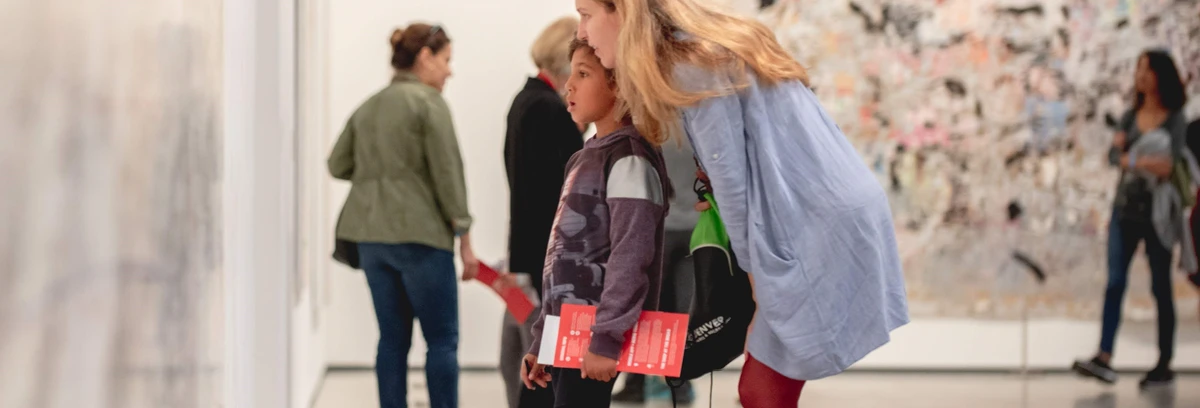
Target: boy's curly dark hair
<point>577,44</point>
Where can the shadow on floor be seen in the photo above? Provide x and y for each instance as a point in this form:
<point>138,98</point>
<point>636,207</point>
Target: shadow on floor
<point>1155,398</point>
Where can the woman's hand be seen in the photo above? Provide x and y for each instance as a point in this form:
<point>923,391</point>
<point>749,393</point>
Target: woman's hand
<point>598,368</point>
<point>703,206</point>
<point>534,373</point>
<point>469,261</point>
<point>1157,165</point>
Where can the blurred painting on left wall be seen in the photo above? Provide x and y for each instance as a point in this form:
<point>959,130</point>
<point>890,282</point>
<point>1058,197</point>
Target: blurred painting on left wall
<point>110,204</point>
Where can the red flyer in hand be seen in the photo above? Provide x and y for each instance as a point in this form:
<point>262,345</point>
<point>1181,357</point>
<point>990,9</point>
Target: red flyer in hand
<point>518,304</point>
<point>653,347</point>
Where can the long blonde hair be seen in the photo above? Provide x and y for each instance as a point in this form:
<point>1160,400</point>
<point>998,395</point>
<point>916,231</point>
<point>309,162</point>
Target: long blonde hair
<point>647,51</point>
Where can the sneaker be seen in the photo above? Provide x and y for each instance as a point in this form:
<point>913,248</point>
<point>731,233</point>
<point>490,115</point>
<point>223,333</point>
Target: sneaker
<point>634,391</point>
<point>1096,369</point>
<point>1158,377</point>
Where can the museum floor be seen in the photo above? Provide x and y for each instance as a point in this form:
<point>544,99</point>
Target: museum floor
<point>483,389</point>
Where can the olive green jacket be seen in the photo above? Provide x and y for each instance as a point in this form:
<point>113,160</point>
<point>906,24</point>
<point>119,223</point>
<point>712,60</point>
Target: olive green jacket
<point>401,155</point>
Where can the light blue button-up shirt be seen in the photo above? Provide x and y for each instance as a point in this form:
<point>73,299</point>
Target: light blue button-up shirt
<point>806,218</point>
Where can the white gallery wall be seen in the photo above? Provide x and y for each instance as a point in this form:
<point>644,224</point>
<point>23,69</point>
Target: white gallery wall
<point>490,62</point>
<point>111,202</point>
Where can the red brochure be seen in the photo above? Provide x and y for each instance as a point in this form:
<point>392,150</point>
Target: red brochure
<point>518,304</point>
<point>653,347</point>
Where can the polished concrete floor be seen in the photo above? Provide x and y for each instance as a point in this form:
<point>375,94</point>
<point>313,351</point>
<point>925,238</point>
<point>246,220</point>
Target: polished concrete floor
<point>354,389</point>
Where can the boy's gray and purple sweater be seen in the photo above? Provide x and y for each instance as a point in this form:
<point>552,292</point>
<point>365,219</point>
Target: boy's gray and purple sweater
<point>606,247</point>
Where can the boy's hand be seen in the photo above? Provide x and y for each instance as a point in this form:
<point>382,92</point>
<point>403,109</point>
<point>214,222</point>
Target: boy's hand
<point>534,373</point>
<point>598,368</point>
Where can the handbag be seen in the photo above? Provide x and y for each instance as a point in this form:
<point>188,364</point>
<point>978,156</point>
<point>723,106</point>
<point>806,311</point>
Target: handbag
<point>345,251</point>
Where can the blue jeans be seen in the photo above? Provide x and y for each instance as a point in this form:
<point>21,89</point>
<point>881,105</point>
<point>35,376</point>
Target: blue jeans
<point>1123,238</point>
<point>407,281</point>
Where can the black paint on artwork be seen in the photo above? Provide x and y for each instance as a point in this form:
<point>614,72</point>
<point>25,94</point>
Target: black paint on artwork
<point>1110,121</point>
<point>1035,10</point>
<point>1034,268</point>
<point>903,19</point>
<point>1065,36</point>
<point>1015,48</point>
<point>766,3</point>
<point>893,169</point>
<point>956,87</point>
<point>876,86</point>
<point>1016,157</point>
<point>868,23</point>
<point>1122,23</point>
<point>1151,22</point>
<point>1014,210</point>
<point>956,40</point>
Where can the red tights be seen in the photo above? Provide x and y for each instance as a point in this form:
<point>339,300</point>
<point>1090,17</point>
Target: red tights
<point>762,387</point>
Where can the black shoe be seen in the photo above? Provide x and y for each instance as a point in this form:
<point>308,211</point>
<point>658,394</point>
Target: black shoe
<point>1096,369</point>
<point>1158,377</point>
<point>634,391</point>
<point>685,395</point>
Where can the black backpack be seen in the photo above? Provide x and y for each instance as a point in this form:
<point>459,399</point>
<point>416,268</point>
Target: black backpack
<point>723,304</point>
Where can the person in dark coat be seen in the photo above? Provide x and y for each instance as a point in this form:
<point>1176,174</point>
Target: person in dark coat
<point>540,139</point>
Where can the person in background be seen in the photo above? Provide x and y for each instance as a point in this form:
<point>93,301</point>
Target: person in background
<point>678,269</point>
<point>540,139</point>
<point>407,203</point>
<point>805,216</point>
<point>606,248</point>
<point>1159,104</point>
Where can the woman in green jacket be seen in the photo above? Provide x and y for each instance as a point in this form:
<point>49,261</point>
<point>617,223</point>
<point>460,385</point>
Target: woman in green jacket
<point>407,205</point>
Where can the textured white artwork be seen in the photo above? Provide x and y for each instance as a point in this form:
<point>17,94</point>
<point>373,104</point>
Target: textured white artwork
<point>965,107</point>
<point>110,283</point>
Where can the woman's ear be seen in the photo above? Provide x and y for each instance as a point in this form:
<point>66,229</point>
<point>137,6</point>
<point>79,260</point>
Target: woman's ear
<point>424,56</point>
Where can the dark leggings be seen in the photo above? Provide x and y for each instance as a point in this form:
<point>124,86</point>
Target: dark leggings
<point>762,387</point>
<point>1123,238</point>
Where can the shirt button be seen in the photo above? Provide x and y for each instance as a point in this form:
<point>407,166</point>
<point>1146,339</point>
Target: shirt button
<point>715,156</point>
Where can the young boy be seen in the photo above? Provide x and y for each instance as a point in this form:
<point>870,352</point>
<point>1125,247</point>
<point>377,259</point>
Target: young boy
<point>606,244</point>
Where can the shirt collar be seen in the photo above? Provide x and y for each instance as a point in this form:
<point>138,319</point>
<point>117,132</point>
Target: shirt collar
<point>404,76</point>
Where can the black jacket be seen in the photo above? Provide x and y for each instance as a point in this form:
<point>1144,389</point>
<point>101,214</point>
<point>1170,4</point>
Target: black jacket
<point>541,138</point>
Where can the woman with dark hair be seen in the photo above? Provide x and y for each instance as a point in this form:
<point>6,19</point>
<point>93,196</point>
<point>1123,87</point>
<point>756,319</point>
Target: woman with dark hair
<point>1157,110</point>
<point>407,205</point>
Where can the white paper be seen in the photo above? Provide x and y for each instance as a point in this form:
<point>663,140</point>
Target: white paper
<point>549,341</point>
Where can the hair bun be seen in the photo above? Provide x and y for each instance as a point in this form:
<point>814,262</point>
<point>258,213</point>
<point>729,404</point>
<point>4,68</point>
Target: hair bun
<point>397,36</point>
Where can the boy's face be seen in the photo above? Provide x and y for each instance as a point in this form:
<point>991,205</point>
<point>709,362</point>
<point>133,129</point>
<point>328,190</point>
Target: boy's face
<point>590,97</point>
